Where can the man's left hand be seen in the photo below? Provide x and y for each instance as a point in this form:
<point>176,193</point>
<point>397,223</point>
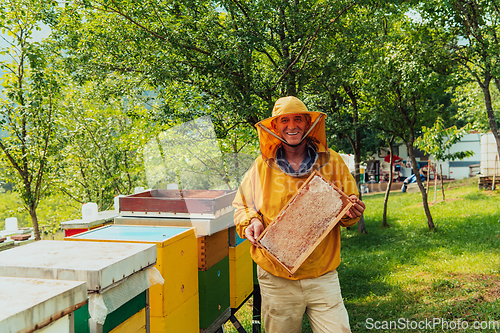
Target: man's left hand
<point>357,209</point>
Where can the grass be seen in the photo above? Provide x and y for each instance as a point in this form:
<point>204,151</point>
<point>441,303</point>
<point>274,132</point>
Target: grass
<point>405,271</point>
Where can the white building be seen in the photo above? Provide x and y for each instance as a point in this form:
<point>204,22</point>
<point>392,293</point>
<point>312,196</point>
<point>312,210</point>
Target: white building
<point>451,169</point>
<point>490,163</point>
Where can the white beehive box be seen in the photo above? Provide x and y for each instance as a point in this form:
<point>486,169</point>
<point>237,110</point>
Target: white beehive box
<point>101,265</point>
<point>115,272</point>
<point>488,154</point>
<point>29,305</point>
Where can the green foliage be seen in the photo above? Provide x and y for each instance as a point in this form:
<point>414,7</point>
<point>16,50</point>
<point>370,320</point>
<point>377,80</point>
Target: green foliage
<point>407,81</point>
<point>339,76</point>
<point>474,27</point>
<point>29,105</point>
<point>101,153</point>
<point>239,57</point>
<point>191,156</point>
<point>471,105</point>
<point>437,141</point>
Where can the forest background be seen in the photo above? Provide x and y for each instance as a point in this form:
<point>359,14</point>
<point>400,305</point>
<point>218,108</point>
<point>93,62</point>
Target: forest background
<point>81,109</point>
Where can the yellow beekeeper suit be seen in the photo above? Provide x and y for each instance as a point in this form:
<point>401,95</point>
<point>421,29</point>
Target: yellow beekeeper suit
<point>266,189</point>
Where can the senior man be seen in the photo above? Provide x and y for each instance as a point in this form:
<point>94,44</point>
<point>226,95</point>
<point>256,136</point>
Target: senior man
<point>293,144</point>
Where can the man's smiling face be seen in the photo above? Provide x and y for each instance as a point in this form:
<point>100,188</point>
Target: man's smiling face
<point>292,127</point>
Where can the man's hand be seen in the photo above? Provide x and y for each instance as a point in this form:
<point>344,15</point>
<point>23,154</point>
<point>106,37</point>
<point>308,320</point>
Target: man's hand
<point>357,209</point>
<point>253,231</point>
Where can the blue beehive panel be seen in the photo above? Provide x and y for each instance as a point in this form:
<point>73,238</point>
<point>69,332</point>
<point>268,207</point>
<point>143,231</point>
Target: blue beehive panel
<point>132,233</point>
<point>239,240</point>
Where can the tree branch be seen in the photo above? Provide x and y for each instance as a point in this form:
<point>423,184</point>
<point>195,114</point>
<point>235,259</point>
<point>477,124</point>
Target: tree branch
<point>304,46</point>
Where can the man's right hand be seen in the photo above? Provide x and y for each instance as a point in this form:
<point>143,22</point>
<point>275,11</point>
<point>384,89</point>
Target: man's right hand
<point>253,231</point>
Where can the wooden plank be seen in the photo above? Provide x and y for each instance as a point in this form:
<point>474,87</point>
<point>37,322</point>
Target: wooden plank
<point>291,246</point>
<point>20,237</point>
<point>232,236</point>
<point>183,319</point>
<point>212,249</point>
<point>486,182</point>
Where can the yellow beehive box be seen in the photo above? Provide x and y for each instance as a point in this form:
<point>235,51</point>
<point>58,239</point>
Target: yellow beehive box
<point>134,324</point>
<point>184,319</point>
<point>240,273</point>
<point>177,260</point>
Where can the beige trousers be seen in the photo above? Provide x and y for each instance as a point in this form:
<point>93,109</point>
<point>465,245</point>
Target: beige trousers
<point>284,303</point>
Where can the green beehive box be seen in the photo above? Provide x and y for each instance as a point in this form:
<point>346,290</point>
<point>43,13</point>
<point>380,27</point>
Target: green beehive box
<point>213,285</point>
<point>114,319</point>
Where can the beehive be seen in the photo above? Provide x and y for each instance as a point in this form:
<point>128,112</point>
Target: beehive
<point>212,249</point>
<point>183,319</point>
<point>29,304</point>
<point>211,212</point>
<point>178,203</point>
<point>116,273</point>
<point>176,260</point>
<point>214,294</point>
<point>240,273</point>
<point>304,222</point>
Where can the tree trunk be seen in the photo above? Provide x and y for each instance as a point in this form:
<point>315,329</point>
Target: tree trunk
<point>409,144</point>
<point>428,177</point>
<point>236,160</point>
<point>442,185</point>
<point>357,177</point>
<point>494,174</point>
<point>489,110</point>
<point>357,161</point>
<point>356,147</point>
<point>388,190</point>
<point>34,220</point>
<point>435,183</point>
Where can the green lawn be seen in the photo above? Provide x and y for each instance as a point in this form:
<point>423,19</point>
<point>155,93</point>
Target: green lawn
<point>407,274</point>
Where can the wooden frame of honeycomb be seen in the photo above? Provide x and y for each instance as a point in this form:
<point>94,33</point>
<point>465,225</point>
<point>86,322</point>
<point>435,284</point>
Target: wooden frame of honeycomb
<point>304,222</point>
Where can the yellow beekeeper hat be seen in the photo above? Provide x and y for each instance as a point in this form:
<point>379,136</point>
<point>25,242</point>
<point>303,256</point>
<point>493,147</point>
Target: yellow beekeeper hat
<point>270,139</point>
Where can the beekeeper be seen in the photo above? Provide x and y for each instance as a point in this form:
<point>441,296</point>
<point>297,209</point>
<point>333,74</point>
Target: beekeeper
<point>293,144</point>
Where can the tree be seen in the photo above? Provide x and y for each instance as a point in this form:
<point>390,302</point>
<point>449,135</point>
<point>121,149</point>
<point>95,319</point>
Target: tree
<point>105,134</point>
<point>478,23</point>
<point>388,190</point>
<point>337,82</point>
<point>437,140</point>
<point>240,56</point>
<point>407,81</point>
<point>29,106</point>
<point>469,99</point>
